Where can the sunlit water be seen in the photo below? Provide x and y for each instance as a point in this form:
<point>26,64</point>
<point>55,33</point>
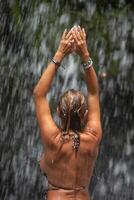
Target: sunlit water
<point>30,33</point>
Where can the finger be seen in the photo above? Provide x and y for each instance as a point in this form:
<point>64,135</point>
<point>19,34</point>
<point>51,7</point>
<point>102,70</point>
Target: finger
<point>68,34</point>
<point>80,32</point>
<point>64,34</point>
<point>79,28</point>
<point>75,36</point>
<point>70,38</point>
<point>69,44</point>
<point>84,33</point>
<point>77,32</point>
<point>71,41</point>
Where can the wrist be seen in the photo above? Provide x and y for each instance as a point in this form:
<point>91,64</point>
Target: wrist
<point>85,57</point>
<point>88,64</point>
<point>58,57</point>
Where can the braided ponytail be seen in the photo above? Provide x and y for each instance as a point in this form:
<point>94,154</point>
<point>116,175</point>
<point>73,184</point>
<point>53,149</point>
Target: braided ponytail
<point>72,107</point>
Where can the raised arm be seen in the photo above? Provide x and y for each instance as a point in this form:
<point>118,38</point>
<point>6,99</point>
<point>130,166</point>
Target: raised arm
<point>93,118</point>
<point>48,128</point>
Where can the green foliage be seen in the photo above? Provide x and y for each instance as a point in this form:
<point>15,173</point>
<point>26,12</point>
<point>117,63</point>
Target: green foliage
<point>16,14</point>
<point>37,36</point>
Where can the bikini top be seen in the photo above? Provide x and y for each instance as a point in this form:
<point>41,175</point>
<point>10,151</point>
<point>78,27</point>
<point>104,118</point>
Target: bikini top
<point>53,187</point>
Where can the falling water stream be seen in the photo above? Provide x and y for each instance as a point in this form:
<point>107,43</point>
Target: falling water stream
<point>29,36</point>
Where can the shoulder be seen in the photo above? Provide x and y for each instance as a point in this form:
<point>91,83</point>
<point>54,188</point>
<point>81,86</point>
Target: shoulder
<point>51,138</point>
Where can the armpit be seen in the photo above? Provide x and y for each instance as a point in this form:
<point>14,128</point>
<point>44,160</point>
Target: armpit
<point>94,132</point>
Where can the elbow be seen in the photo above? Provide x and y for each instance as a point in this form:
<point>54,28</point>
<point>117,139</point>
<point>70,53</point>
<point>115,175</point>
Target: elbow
<point>36,93</point>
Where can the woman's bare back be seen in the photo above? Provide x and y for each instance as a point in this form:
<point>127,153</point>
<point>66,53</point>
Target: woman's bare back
<point>69,172</point>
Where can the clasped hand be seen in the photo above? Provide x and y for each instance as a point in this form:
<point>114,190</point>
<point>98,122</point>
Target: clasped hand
<point>74,41</point>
